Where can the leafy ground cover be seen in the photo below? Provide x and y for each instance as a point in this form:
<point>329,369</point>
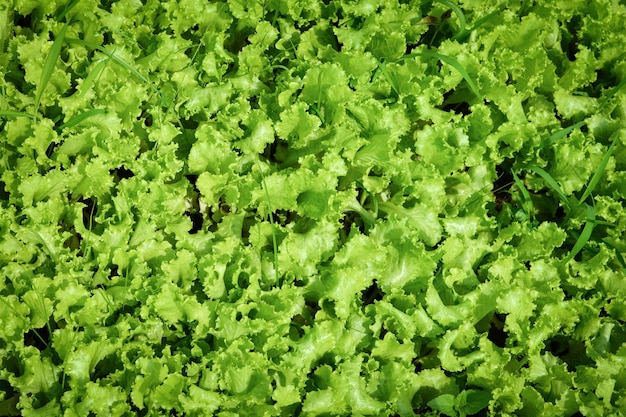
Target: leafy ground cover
<point>316,208</point>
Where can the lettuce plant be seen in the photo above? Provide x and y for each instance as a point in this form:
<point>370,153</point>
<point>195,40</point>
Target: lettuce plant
<point>320,208</point>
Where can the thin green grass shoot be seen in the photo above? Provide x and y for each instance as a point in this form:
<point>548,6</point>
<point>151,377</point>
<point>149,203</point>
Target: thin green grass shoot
<point>107,299</point>
<point>12,113</point>
<point>126,295</point>
<point>67,9</point>
<point>527,202</point>
<point>87,252</point>
<point>81,117</point>
<point>551,182</point>
<point>479,194</point>
<point>560,134</point>
<point>383,69</point>
<point>618,255</point>
<point>87,248</point>
<point>48,68</point>
<point>92,77</point>
<point>45,311</point>
<point>593,183</point>
<point>460,37</point>
<point>271,218</point>
<point>459,14</point>
<point>585,235</point>
<point>41,339</point>
<point>169,106</point>
<point>113,57</point>
<point>450,61</point>
<point>612,93</point>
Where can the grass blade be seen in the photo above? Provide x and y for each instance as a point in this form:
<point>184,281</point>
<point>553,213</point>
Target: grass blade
<point>528,202</point>
<point>459,14</point>
<point>112,56</point>
<point>585,235</point>
<point>91,77</point>
<point>618,255</point>
<point>611,93</point>
<point>560,134</point>
<point>598,174</point>
<point>12,113</point>
<point>462,35</point>
<point>453,63</point>
<point>274,240</point>
<point>67,9</point>
<point>48,67</point>
<point>551,182</point>
<point>79,118</point>
<point>383,69</point>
